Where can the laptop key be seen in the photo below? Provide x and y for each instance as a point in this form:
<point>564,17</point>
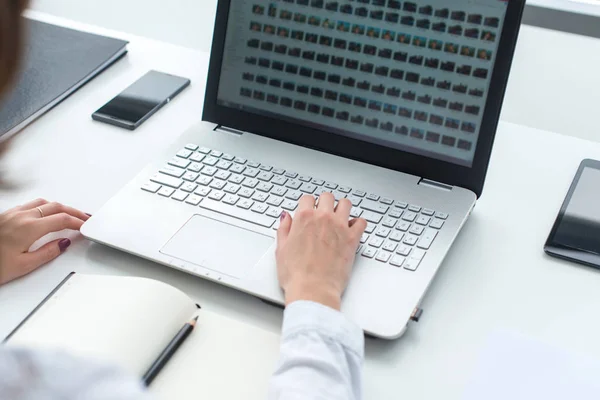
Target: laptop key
<point>190,176</point>
<point>427,239</point>
<point>410,240</point>
<point>370,227</point>
<point>376,242</point>
<point>260,196</point>
<point>223,175</point>
<point>265,176</point>
<point>291,174</point>
<point>194,200</point>
<point>441,215</point>
<point>395,213</point>
<point>172,171</point>
<point>318,182</point>
<point>409,216</point>
<point>245,204</point>
<point>260,208</point>
<point>179,162</point>
<point>304,178</point>
<point>390,246</point>
<point>274,212</point>
<point>210,171</point>
<point>245,192</point>
<point>427,211</point>
<point>389,222</point>
<point>211,161</point>
<point>355,200</point>
<point>372,196</point>
<point>230,199</point>
<point>195,167</point>
<point>387,201</point>
<point>218,184</point>
<point>374,206</point>
<point>289,205</point>
<point>251,172</point>
<point>403,250</point>
<point>331,185</point>
<point>279,191</point>
<point>250,182</point>
<point>345,189</point>
<point>166,180</point>
<point>369,252</point>
<point>216,153</point>
<point>436,223</point>
<point>293,184</point>
<point>240,160</point>
<point>293,195</point>
<point>166,191</point>
<point>197,157</point>
<point>189,187</point>
<point>151,187</point>
<point>228,157</point>
<point>423,220</point>
<point>401,204</point>
<point>239,212</point>
<point>204,150</point>
<point>372,217</point>
<point>275,200</point>
<point>237,179</point>
<point>308,188</point>
<point>383,232</point>
<point>179,196</point>
<point>359,193</point>
<point>264,187</point>
<point>397,261</point>
<point>224,164</point>
<point>402,226</point>
<point>216,195</point>
<point>237,169</point>
<point>265,167</point>
<point>253,164</point>
<point>396,236</point>
<point>355,212</point>
<point>383,256</point>
<point>364,238</point>
<point>202,191</point>
<point>279,180</point>
<point>184,153</point>
<point>416,229</point>
<point>191,146</point>
<point>278,171</point>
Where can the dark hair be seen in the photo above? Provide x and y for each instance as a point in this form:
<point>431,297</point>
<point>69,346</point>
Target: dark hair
<point>11,38</point>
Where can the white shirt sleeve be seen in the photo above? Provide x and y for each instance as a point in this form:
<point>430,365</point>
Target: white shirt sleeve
<point>321,357</point>
<point>53,375</point>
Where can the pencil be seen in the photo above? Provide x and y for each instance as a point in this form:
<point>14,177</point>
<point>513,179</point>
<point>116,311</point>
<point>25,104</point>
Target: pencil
<point>168,352</point>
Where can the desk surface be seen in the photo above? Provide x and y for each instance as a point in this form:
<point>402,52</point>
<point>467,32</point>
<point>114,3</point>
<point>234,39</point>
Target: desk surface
<point>495,278</point>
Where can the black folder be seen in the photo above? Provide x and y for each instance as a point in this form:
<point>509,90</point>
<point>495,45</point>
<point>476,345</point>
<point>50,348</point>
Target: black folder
<point>57,61</point>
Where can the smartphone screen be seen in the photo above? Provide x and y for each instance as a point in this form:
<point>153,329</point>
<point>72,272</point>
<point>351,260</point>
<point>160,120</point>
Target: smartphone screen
<point>141,99</point>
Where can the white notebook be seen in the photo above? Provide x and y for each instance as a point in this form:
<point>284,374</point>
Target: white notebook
<point>129,322</point>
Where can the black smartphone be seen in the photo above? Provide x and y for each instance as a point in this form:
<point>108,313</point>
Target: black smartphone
<point>141,100</point>
<point>575,235</point>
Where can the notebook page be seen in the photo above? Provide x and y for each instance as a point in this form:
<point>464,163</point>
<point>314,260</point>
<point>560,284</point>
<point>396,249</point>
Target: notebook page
<point>222,359</point>
<point>123,320</point>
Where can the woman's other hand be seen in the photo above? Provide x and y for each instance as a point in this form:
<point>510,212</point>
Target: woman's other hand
<point>316,250</point>
<point>22,226</point>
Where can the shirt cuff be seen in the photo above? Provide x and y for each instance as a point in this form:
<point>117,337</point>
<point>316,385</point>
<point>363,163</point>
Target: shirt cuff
<point>310,316</point>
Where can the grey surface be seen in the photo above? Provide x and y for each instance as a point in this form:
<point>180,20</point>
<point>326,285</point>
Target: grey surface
<point>564,21</point>
<point>57,60</point>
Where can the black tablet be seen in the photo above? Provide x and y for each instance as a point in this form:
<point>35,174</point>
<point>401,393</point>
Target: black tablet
<point>575,235</point>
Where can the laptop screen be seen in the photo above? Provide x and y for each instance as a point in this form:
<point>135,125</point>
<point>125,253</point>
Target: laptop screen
<point>413,76</point>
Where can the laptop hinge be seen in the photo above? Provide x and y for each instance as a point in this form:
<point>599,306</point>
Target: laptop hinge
<point>435,185</point>
<point>221,128</point>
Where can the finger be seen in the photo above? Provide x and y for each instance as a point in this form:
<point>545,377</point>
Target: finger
<point>307,202</point>
<point>28,206</point>
<point>56,223</point>
<point>343,208</point>
<point>357,228</point>
<point>284,227</point>
<point>326,201</point>
<point>48,252</point>
<point>57,208</point>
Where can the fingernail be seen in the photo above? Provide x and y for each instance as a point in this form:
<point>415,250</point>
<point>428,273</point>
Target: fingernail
<point>88,214</point>
<point>63,244</point>
<point>282,216</point>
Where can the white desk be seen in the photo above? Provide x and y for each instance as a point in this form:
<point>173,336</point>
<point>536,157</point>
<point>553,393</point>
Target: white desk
<point>496,276</point>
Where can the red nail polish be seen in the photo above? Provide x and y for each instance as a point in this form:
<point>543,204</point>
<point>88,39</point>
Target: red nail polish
<point>282,216</point>
<point>63,244</point>
<point>88,214</point>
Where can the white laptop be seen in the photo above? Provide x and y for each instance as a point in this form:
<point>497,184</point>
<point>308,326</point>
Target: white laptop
<point>391,104</point>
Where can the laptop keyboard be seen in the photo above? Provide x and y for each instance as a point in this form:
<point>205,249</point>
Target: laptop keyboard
<point>397,233</point>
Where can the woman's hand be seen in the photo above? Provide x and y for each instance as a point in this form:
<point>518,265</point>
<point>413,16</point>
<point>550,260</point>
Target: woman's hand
<point>316,250</point>
<point>22,226</point>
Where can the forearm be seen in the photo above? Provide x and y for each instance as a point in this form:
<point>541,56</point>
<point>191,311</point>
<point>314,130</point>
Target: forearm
<point>321,356</point>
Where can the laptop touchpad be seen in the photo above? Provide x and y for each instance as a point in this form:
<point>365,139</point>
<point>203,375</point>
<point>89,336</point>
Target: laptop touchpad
<point>216,245</point>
